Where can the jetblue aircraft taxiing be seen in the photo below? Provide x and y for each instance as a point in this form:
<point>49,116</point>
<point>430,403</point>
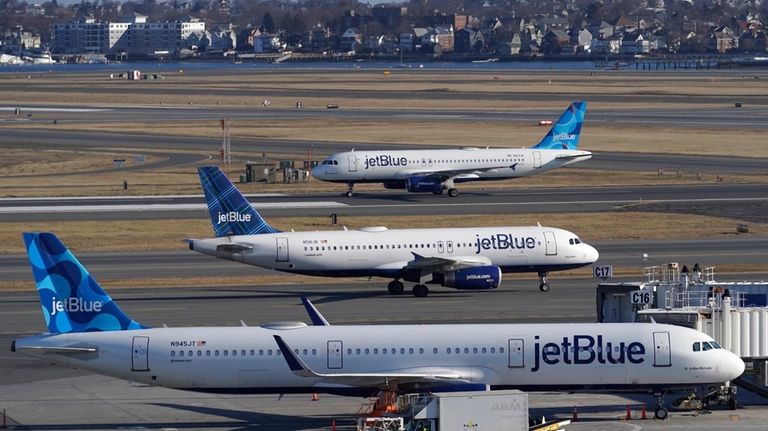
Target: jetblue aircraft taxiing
<point>88,330</point>
<point>438,170</point>
<point>462,258</point>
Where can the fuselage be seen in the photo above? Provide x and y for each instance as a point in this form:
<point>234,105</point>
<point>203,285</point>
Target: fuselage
<point>385,252</point>
<point>469,164</point>
<point>527,356</point>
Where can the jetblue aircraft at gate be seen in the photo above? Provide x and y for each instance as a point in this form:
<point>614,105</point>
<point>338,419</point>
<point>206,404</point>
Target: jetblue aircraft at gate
<point>439,170</point>
<point>462,258</point>
<point>88,330</point>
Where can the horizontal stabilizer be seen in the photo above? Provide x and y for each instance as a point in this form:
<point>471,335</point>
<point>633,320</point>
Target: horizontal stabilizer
<point>233,248</point>
<point>59,350</point>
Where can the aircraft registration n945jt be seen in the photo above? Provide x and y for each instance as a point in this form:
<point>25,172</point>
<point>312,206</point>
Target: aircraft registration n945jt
<point>435,171</point>
<point>88,330</point>
<point>461,258</point>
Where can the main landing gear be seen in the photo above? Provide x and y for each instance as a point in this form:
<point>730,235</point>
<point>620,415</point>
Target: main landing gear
<point>350,189</point>
<point>543,285</point>
<point>453,192</point>
<point>396,287</point>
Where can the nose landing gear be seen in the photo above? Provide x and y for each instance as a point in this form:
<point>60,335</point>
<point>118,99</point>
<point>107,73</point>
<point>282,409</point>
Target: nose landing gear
<point>350,189</point>
<point>543,285</point>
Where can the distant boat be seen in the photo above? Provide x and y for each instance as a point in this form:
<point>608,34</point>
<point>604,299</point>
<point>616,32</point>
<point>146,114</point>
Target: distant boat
<point>10,59</point>
<point>44,58</point>
<point>487,60</point>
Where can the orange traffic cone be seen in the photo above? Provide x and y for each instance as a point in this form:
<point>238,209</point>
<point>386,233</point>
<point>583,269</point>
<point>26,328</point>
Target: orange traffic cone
<point>315,397</point>
<point>629,413</point>
<point>575,417</point>
<point>642,413</point>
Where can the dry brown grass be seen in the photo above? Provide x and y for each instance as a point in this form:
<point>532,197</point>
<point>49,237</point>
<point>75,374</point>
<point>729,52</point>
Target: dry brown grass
<point>143,235</point>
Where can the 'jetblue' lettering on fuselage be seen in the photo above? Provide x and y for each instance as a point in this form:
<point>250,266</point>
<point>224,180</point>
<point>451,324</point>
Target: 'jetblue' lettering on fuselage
<point>502,241</point>
<point>233,216</point>
<point>585,350</point>
<point>385,160</point>
<point>75,305</point>
<point>565,136</point>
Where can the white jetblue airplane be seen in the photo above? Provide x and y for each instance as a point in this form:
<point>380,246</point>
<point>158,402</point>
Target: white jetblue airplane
<point>424,171</point>
<point>87,329</point>
<point>462,258</point>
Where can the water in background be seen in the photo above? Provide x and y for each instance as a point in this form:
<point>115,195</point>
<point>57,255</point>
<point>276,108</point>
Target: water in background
<point>208,65</point>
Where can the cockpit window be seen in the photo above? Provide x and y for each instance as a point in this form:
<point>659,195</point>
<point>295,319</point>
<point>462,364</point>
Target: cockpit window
<point>574,241</point>
<point>706,346</point>
<point>696,347</point>
<point>715,345</point>
<point>330,162</point>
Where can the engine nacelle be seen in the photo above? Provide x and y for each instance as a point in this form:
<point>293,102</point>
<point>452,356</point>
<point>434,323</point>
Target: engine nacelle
<point>477,278</point>
<point>423,184</point>
<point>394,184</point>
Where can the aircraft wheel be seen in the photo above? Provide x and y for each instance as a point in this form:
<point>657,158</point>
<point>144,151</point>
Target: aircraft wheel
<point>544,287</point>
<point>420,291</point>
<point>660,413</point>
<point>453,193</point>
<point>347,194</point>
<point>395,287</point>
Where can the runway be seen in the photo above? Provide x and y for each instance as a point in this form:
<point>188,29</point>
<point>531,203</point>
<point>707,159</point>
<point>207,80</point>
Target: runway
<point>394,203</point>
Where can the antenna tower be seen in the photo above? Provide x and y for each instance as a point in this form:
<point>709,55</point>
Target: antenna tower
<point>226,149</point>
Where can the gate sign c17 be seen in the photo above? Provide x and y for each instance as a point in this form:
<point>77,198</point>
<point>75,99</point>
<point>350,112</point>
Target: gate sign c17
<point>640,297</point>
<point>602,271</point>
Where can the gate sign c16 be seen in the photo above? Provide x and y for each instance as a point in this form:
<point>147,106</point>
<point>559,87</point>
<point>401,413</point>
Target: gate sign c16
<point>602,271</point>
<point>640,297</point>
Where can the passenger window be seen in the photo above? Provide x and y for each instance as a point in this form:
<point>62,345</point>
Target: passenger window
<point>242,352</point>
<point>349,351</point>
<point>421,350</point>
<point>466,350</point>
<point>501,350</point>
<point>252,352</point>
<point>216,353</point>
<point>261,352</point>
<point>367,351</point>
<point>207,353</point>
<point>375,351</point>
<point>173,353</point>
<point>234,353</point>
<point>269,352</point>
<point>457,350</point>
<point>199,353</point>
<point>357,351</point>
<point>226,353</point>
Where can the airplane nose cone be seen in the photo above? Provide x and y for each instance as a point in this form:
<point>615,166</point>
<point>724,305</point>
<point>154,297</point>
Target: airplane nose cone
<point>591,254</point>
<point>736,368</point>
<point>318,173</point>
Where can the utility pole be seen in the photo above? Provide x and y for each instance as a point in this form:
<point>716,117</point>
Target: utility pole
<point>226,150</point>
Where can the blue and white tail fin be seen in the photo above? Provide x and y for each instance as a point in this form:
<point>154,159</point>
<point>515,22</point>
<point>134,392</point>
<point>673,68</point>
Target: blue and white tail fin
<point>564,135</point>
<point>231,213</point>
<point>72,300</point>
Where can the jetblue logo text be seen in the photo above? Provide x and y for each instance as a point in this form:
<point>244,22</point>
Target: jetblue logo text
<point>585,350</point>
<point>75,305</point>
<point>233,216</point>
<point>565,136</point>
<point>502,241</point>
<point>385,160</point>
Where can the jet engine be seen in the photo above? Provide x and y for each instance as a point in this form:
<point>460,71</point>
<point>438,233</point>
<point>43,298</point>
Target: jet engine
<point>477,278</point>
<point>423,184</point>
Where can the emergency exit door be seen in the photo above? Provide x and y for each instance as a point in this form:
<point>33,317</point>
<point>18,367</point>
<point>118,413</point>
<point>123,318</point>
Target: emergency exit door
<point>335,354</point>
<point>662,355</point>
<point>282,249</point>
<point>140,356</point>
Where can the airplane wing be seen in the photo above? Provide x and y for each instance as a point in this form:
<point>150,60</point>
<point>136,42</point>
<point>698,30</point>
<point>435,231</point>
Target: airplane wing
<point>380,379</point>
<point>444,264</point>
<point>469,173</point>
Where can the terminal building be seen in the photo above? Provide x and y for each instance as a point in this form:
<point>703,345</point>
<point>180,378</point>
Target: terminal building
<point>132,35</point>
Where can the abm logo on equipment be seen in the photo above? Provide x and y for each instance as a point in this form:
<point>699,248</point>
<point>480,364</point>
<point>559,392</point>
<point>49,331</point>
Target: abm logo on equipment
<point>233,216</point>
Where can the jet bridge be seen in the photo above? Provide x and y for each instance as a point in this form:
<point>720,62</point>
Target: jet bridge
<point>735,314</point>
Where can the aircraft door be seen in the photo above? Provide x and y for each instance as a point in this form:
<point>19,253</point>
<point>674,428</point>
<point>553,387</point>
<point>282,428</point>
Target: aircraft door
<point>424,162</point>
<point>282,249</point>
<point>537,159</point>
<point>335,355</point>
<point>440,247</point>
<point>352,159</point>
<point>140,356</point>
<point>516,353</point>
<point>429,162</point>
<point>549,241</point>
<point>449,246</point>
<point>662,354</point>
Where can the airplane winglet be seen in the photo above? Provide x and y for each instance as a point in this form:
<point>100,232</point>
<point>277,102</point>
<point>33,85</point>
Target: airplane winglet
<point>314,314</point>
<point>417,256</point>
<point>294,362</point>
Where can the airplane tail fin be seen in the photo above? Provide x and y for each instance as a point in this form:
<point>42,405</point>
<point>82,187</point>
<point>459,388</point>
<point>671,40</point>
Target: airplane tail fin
<point>564,135</point>
<point>71,299</point>
<point>231,213</point>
